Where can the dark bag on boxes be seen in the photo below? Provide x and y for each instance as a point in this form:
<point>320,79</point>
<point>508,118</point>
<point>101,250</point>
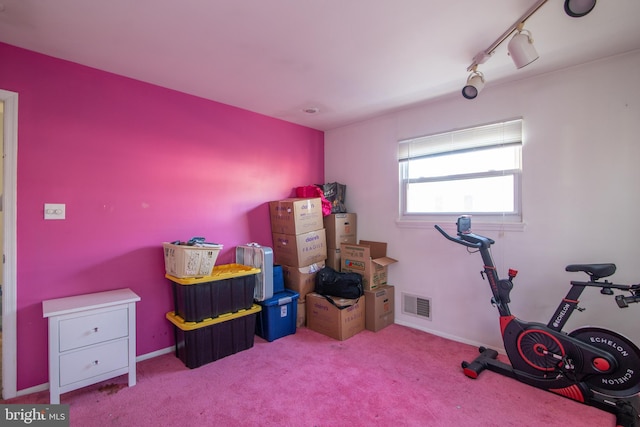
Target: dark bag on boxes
<point>335,193</point>
<point>336,284</point>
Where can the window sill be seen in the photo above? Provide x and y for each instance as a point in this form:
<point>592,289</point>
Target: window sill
<point>477,225</point>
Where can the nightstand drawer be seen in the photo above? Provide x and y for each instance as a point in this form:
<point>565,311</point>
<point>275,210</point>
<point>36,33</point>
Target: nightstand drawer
<point>93,361</point>
<point>82,331</point>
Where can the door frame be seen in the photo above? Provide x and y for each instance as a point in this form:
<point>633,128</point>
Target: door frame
<point>9,249</point>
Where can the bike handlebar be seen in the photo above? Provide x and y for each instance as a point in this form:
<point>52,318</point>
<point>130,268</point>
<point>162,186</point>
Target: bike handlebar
<point>469,239</point>
<point>476,241</point>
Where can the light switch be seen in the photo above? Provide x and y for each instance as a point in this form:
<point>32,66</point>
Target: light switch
<point>54,210</point>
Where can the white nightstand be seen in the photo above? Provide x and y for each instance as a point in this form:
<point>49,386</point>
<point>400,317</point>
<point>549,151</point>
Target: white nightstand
<point>92,338</point>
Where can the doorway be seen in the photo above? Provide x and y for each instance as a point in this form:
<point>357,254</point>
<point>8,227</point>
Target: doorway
<point>1,222</point>
<point>8,199</point>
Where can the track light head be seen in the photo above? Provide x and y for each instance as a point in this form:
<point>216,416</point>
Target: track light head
<point>578,8</point>
<point>521,49</point>
<point>475,83</point>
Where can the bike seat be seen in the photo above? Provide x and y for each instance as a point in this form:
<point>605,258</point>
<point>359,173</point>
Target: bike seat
<point>596,271</point>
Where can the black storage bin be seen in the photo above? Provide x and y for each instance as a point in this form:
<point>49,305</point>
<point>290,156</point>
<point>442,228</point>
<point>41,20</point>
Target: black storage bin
<point>199,343</point>
<point>229,289</point>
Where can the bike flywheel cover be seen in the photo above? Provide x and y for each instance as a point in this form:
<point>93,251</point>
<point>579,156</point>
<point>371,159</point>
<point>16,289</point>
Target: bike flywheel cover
<point>624,381</point>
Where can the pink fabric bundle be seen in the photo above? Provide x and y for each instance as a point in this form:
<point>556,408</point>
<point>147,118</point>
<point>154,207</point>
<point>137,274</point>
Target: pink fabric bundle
<point>309,191</point>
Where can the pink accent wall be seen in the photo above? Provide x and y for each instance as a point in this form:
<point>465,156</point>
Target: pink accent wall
<point>136,165</point>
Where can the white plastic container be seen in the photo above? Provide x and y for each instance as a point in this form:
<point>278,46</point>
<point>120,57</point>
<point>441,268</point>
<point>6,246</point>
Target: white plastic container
<point>254,255</point>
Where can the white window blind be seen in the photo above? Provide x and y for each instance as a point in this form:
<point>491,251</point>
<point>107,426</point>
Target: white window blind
<point>459,140</point>
<point>469,171</point>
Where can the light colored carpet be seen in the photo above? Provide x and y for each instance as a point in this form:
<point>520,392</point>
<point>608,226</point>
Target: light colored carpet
<point>395,377</point>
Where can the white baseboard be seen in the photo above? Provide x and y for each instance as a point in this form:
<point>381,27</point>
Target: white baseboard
<point>448,336</point>
<point>34,389</point>
<point>156,353</point>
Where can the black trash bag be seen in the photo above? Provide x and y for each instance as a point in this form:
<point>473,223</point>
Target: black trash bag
<point>342,285</point>
<point>335,193</point>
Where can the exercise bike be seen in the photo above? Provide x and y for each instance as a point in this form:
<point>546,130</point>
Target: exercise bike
<point>591,365</point>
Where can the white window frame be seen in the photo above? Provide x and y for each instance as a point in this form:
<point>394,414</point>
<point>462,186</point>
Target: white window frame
<point>504,133</point>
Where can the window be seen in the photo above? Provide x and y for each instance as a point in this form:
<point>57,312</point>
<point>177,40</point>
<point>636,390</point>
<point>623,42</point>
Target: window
<point>471,171</point>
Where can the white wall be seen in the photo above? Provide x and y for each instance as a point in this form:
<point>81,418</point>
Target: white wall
<point>581,172</point>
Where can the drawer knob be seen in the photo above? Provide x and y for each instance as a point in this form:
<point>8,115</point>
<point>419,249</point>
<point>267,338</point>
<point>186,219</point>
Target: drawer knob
<point>95,329</point>
<point>96,362</point>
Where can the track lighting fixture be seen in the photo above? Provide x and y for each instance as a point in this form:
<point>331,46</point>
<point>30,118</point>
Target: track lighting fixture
<point>578,8</point>
<point>520,47</point>
<point>475,83</point>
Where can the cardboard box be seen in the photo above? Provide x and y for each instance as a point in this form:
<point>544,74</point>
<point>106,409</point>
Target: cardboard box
<point>369,259</point>
<point>301,279</point>
<point>333,258</point>
<point>301,320</point>
<point>296,216</point>
<point>327,319</point>
<point>300,250</point>
<point>379,308</point>
<point>190,261</point>
<point>341,228</point>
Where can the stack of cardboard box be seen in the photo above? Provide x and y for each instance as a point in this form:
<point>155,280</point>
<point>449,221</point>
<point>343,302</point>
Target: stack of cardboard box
<point>322,315</point>
<point>370,260</point>
<point>303,241</point>
<point>299,244</point>
<point>340,228</point>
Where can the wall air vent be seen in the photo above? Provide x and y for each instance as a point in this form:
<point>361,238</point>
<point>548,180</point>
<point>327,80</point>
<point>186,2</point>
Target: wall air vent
<point>416,306</point>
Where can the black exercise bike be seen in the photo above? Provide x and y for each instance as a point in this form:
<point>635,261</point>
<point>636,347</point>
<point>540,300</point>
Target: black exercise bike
<point>591,365</point>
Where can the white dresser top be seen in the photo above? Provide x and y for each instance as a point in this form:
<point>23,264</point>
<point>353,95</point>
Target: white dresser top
<point>59,306</point>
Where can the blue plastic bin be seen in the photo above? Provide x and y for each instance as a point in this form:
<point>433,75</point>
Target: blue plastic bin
<point>278,316</point>
<point>278,279</point>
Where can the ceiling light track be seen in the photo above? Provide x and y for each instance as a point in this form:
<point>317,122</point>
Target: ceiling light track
<point>482,57</point>
<point>520,47</point>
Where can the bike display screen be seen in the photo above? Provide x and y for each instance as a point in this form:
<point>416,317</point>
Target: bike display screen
<point>464,224</point>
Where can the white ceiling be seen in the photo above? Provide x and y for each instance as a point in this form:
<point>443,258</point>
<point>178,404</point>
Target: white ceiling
<point>352,59</point>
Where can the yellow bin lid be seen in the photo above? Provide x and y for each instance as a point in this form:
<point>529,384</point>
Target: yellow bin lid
<point>190,326</point>
<point>220,272</point>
